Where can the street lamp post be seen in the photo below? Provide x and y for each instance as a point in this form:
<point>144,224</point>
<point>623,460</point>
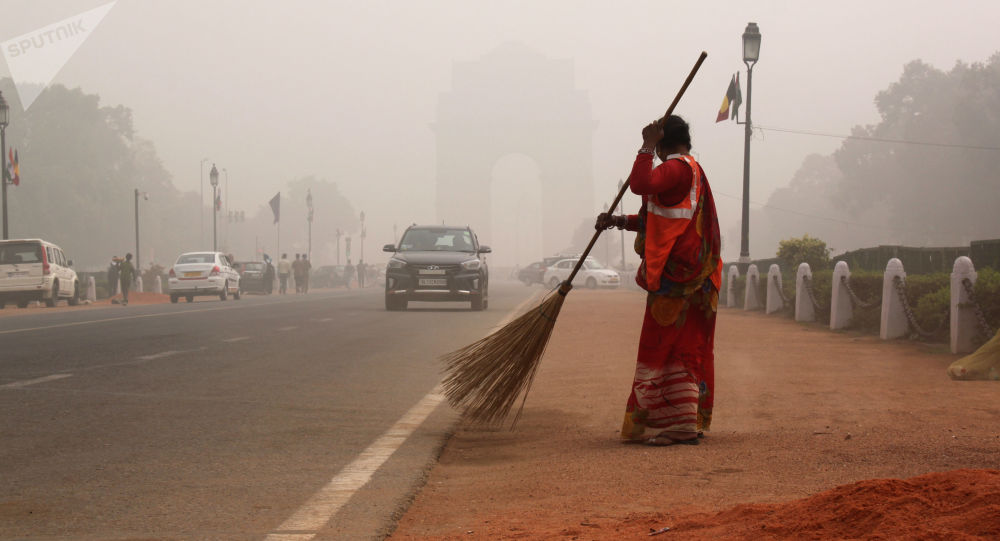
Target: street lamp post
<point>751,52</point>
<point>226,173</point>
<point>213,177</point>
<point>339,234</point>
<point>145,195</point>
<point>621,210</point>
<point>4,111</point>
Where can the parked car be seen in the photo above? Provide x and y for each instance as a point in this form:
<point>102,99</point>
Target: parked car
<point>36,270</point>
<point>592,274</point>
<point>535,272</point>
<point>437,263</point>
<point>328,276</point>
<point>254,277</point>
<point>199,274</point>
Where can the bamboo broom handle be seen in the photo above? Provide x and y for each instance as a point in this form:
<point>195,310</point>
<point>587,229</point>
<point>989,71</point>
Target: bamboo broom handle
<point>568,284</point>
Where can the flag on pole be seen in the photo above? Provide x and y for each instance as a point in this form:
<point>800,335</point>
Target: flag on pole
<point>731,101</point>
<point>276,206</point>
<point>16,175</point>
<point>218,201</point>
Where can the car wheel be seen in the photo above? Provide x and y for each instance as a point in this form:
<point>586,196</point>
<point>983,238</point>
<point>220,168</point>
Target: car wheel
<point>22,304</point>
<point>591,283</point>
<point>173,299</point>
<point>554,282</point>
<point>2,304</point>
<point>225,292</point>
<point>478,304</point>
<point>75,299</point>
<point>395,303</point>
<point>189,298</point>
<point>526,282</point>
<point>54,298</point>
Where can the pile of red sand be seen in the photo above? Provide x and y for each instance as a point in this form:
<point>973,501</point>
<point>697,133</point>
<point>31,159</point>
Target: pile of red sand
<point>138,298</point>
<point>960,504</point>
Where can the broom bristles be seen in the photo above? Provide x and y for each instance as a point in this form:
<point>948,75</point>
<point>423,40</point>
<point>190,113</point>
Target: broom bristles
<point>485,378</point>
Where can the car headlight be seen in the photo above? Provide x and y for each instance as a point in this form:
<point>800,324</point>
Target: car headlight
<point>396,263</point>
<point>472,264</point>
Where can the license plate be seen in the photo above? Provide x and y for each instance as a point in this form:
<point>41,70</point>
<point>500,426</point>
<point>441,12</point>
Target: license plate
<point>433,281</point>
<point>12,274</point>
<point>431,271</point>
<point>192,274</point>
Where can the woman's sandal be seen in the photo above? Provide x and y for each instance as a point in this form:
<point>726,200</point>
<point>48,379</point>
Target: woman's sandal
<point>664,441</point>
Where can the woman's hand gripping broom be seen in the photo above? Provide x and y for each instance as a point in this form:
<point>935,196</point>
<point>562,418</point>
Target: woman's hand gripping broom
<point>485,378</point>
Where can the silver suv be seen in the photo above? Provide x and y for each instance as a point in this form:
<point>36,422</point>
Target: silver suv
<point>36,270</point>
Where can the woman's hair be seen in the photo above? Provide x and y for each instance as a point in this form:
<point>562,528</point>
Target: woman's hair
<point>675,132</point>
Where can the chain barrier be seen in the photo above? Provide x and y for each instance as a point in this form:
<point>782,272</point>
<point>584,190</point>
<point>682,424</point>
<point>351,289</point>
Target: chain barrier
<point>855,300</point>
<point>807,281</point>
<point>781,292</point>
<point>911,318</point>
<point>980,315</point>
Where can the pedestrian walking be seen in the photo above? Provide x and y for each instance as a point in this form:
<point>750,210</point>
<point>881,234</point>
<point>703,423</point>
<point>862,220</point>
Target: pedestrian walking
<point>361,273</point>
<point>126,275</point>
<point>297,273</point>
<point>284,269</point>
<point>677,228</point>
<point>348,273</point>
<point>306,267</point>
<point>113,276</point>
<point>268,275</point>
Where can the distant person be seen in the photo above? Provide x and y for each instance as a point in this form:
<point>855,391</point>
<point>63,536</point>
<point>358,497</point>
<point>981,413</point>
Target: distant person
<point>284,269</point>
<point>306,267</point>
<point>126,275</point>
<point>268,275</point>
<point>348,273</point>
<point>113,276</point>
<point>361,273</point>
<point>297,273</point>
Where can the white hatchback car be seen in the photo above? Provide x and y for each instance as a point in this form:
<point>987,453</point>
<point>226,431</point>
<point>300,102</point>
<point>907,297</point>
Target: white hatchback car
<point>592,274</point>
<point>36,270</point>
<point>198,274</point>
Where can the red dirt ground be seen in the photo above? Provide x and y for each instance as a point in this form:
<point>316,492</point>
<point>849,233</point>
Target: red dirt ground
<point>805,418</point>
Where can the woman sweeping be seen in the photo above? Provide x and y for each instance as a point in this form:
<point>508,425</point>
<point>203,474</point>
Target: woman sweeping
<point>678,240</point>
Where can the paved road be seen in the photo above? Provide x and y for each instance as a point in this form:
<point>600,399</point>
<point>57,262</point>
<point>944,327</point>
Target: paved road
<point>220,420</point>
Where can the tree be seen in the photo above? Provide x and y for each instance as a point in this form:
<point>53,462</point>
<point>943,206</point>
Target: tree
<point>807,249</point>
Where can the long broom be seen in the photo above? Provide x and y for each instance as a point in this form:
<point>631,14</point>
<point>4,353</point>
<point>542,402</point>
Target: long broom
<point>485,378</point>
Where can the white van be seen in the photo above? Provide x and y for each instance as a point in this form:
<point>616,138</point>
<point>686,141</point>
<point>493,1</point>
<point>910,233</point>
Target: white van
<point>36,270</point>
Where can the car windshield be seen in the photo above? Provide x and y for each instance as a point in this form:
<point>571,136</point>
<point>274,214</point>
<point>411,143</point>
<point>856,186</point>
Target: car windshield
<point>437,239</point>
<point>14,253</point>
<point>592,264</point>
<point>196,258</point>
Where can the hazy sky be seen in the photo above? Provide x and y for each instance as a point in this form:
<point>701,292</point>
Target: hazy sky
<point>348,90</point>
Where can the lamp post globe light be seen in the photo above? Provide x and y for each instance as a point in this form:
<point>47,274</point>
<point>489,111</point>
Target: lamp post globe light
<point>213,177</point>
<point>751,52</point>
<point>4,111</point>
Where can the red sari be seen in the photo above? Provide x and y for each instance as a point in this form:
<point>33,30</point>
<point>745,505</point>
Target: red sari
<point>674,385</point>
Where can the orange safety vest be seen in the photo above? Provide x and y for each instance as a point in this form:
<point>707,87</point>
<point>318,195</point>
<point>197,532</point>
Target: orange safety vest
<point>664,225</point>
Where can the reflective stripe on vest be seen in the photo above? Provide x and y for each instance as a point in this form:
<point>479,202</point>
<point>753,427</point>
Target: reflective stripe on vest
<point>680,211</point>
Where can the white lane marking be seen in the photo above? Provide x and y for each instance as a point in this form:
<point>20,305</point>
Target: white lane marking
<point>237,339</point>
<point>325,503</point>
<point>159,355</point>
<point>284,329</point>
<point>517,311</point>
<point>25,383</point>
<point>175,313</point>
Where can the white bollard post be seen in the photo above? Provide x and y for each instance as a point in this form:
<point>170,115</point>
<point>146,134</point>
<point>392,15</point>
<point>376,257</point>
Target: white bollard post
<point>841,308</point>
<point>750,300</point>
<point>894,323</point>
<point>963,318</point>
<point>158,285</point>
<point>774,302</point>
<point>138,284</point>
<point>804,309</point>
<point>91,289</point>
<point>734,273</point>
